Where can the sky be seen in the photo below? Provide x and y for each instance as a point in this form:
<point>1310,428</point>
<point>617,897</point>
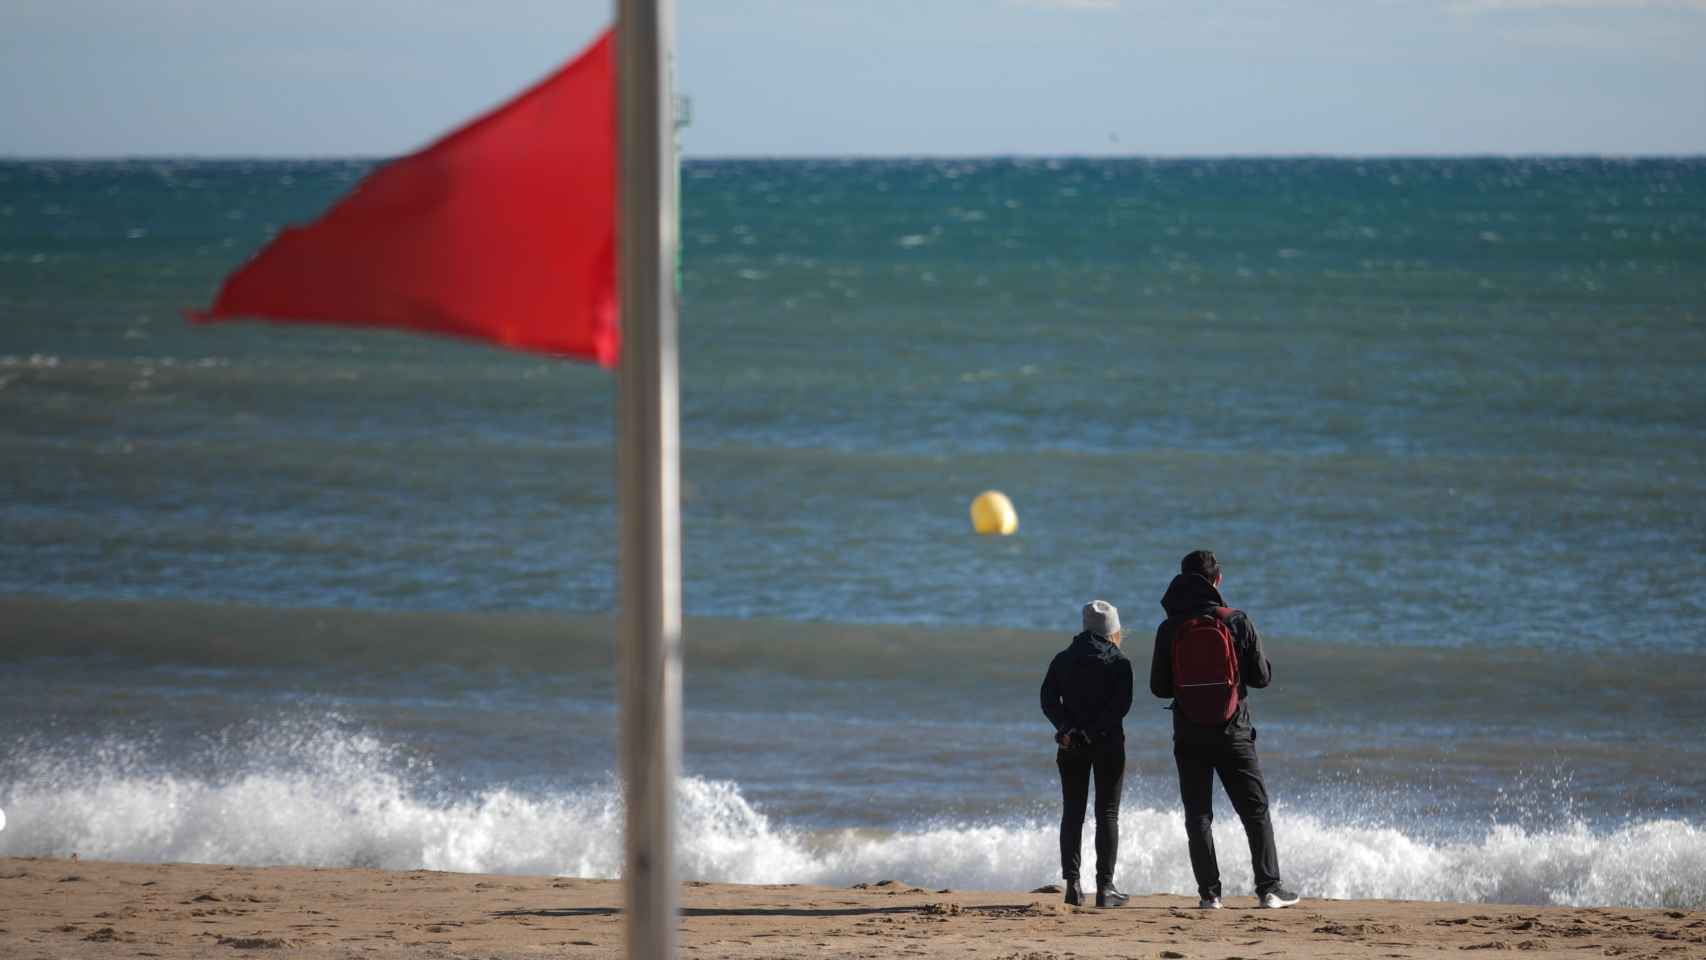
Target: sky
<point>262,78</point>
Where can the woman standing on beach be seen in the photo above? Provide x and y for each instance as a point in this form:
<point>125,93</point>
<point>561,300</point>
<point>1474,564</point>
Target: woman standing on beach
<point>1086,695</point>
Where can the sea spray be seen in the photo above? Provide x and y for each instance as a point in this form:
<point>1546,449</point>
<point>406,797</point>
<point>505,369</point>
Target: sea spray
<point>333,798</point>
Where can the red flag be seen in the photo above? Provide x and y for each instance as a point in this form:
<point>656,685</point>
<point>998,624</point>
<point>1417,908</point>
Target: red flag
<point>504,230</point>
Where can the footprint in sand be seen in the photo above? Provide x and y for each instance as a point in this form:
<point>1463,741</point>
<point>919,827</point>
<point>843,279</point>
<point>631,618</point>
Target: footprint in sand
<point>258,942</point>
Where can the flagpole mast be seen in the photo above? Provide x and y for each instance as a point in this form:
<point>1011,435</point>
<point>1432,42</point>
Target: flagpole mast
<point>648,472</point>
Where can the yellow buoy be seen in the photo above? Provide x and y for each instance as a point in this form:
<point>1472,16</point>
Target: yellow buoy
<point>992,513</point>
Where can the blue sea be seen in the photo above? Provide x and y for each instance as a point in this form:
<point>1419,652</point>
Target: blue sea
<point>317,596</point>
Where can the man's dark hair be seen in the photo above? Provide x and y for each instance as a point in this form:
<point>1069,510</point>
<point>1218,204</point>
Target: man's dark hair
<point>1201,563</point>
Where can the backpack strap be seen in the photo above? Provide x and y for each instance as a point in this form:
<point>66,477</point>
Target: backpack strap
<point>1224,615</point>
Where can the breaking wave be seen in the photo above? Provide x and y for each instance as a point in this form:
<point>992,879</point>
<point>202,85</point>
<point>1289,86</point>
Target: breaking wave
<point>332,798</point>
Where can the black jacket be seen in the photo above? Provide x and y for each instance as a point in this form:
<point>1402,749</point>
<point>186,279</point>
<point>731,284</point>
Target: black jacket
<point>1088,688</point>
<point>1191,595</point>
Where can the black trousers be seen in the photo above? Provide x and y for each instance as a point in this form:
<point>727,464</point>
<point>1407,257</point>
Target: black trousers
<point>1241,775</point>
<point>1106,763</point>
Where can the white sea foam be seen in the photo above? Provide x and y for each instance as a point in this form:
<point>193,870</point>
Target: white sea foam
<point>341,799</point>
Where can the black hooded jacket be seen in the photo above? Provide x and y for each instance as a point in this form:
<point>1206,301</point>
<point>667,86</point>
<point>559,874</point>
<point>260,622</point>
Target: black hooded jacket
<point>1088,688</point>
<point>1191,595</point>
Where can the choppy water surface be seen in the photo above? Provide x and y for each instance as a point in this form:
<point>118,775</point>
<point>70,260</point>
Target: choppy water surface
<point>1442,419</point>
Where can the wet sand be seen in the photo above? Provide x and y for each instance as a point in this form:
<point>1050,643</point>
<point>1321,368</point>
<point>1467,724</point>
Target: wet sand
<point>51,908</point>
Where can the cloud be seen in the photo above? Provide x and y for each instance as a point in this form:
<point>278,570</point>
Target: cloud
<point>1668,29</point>
<point>1066,4</point>
<point>1584,38</point>
<point>1494,6</point>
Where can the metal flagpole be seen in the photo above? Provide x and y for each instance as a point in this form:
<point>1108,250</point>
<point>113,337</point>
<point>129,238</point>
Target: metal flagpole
<point>648,471</point>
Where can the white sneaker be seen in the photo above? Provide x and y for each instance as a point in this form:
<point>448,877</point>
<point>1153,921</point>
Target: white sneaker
<point>1276,898</point>
<point>1209,903</point>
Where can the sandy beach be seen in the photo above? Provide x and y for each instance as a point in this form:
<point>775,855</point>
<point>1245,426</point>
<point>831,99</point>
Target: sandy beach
<point>56,908</point>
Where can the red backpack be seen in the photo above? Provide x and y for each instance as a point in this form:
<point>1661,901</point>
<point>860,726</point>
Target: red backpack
<point>1205,668</point>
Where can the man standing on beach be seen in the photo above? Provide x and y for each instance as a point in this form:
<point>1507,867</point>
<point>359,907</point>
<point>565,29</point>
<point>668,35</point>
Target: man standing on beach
<point>1086,694</point>
<point>1207,657</point>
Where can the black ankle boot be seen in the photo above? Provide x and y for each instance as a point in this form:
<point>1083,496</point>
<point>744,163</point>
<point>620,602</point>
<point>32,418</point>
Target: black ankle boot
<point>1107,896</point>
<point>1074,896</point>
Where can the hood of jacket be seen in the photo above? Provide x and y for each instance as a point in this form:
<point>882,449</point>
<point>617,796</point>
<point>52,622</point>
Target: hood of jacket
<point>1190,594</point>
<point>1090,644</point>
